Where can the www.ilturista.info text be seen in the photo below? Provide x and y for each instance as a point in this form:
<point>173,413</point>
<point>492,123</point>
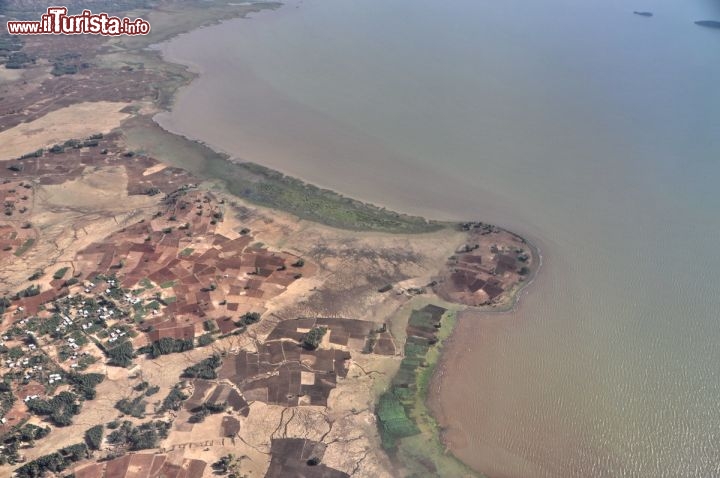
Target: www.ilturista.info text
<point>57,22</point>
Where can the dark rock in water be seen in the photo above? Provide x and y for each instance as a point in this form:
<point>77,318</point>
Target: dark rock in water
<point>644,14</point>
<point>708,23</point>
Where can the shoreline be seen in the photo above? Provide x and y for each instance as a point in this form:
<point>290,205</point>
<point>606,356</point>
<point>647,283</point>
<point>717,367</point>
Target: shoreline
<point>438,378</point>
<point>434,374</point>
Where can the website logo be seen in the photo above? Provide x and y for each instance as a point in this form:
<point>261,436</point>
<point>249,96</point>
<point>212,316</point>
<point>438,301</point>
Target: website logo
<point>57,22</point>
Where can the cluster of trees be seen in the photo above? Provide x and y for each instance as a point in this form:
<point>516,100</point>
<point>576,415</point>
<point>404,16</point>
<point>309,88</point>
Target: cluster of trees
<point>227,465</point>
<point>174,400</point>
<point>4,304</point>
<point>205,339</point>
<point>59,408</point>
<point>94,436</point>
<point>71,281</point>
<point>7,397</point>
<point>55,462</point>
<point>134,407</point>
<point>121,355</point>
<point>199,413</point>
<point>30,432</point>
<point>84,384</point>
<point>12,442</point>
<point>51,327</point>
<point>248,318</point>
<point>312,339</point>
<point>142,437</point>
<point>35,154</point>
<point>30,291</point>
<point>89,142</point>
<point>36,275</point>
<point>10,43</point>
<point>18,60</point>
<point>165,346</point>
<point>61,68</point>
<point>205,369</point>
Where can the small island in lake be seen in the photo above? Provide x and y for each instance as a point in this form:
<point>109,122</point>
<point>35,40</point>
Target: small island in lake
<point>708,23</point>
<point>643,14</point>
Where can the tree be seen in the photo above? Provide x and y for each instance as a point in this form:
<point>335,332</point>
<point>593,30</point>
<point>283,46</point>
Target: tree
<point>94,436</point>
<point>248,319</point>
<point>312,339</point>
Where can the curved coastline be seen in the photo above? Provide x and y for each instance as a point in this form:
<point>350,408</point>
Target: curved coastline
<point>437,368</point>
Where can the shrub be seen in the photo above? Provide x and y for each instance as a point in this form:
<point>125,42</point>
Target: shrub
<point>36,275</point>
<point>60,273</point>
<point>152,390</point>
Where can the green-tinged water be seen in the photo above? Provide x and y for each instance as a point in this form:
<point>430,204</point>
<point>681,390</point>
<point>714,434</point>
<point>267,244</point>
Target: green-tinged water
<point>592,131</point>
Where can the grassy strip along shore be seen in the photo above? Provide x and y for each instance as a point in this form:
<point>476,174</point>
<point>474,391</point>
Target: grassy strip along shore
<point>266,187</point>
<point>407,428</point>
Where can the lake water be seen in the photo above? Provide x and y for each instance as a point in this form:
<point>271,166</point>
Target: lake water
<point>592,131</point>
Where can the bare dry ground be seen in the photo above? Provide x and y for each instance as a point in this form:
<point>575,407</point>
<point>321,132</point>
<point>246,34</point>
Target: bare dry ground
<point>69,216</point>
<point>76,121</point>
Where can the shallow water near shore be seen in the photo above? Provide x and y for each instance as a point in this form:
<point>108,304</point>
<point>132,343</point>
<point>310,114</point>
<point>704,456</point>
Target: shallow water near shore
<point>592,131</point>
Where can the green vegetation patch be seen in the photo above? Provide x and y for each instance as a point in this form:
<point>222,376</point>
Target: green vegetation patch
<point>24,247</point>
<point>199,413</point>
<point>205,369</point>
<point>393,420</point>
<point>312,339</point>
<point>166,346</point>
<point>121,355</point>
<point>173,400</point>
<point>94,436</point>
<point>134,407</point>
<point>142,437</point>
<point>266,187</point>
<point>407,429</point>
<point>60,408</point>
<point>60,273</point>
<point>55,462</point>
